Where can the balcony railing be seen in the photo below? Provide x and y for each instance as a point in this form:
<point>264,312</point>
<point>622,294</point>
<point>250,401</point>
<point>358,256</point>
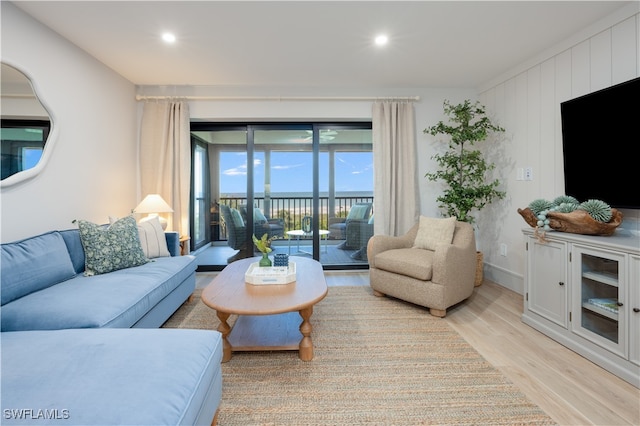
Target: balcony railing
<point>292,209</point>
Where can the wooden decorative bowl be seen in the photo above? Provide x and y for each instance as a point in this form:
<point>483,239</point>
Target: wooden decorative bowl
<point>576,222</point>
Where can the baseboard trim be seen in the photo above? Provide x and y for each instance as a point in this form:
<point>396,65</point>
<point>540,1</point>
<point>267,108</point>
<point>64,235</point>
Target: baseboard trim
<point>504,277</point>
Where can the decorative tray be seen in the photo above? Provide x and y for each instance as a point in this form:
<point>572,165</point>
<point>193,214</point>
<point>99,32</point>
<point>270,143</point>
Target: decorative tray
<point>267,275</point>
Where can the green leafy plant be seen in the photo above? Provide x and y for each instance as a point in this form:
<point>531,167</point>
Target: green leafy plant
<point>263,244</point>
<point>463,170</point>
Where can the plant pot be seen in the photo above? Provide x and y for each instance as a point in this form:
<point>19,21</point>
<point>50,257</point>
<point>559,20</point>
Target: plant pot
<point>479,268</point>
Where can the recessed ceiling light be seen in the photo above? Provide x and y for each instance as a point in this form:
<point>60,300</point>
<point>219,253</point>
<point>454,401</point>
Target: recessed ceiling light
<point>381,40</point>
<point>169,38</point>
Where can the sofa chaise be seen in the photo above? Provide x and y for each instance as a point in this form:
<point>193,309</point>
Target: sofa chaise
<point>111,376</point>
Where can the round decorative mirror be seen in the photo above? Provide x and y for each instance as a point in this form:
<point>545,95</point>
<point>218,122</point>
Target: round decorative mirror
<point>26,127</point>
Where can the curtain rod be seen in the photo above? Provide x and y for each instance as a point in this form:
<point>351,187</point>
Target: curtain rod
<point>281,98</point>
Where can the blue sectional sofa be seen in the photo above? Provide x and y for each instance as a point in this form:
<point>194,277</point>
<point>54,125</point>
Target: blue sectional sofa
<point>86,350</point>
<point>44,288</point>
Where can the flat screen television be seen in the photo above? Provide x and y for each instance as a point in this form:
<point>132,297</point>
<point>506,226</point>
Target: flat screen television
<point>601,141</point>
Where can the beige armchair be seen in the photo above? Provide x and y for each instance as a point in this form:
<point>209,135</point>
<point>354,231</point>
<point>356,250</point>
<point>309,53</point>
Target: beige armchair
<point>436,279</point>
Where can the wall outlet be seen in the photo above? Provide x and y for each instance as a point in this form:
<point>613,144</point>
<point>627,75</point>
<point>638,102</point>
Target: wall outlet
<point>528,173</point>
<point>503,249</point>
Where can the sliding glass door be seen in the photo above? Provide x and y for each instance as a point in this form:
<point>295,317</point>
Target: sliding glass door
<point>348,192</point>
<point>296,183</point>
<point>284,188</point>
<point>200,201</point>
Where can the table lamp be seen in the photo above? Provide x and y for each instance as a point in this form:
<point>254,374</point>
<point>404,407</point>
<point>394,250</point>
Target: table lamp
<point>154,204</point>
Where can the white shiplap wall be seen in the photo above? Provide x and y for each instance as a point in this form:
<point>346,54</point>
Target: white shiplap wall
<point>527,104</point>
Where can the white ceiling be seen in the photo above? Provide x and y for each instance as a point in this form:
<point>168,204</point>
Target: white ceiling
<point>317,43</point>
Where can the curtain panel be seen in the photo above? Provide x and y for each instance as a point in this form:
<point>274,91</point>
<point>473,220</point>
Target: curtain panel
<point>165,158</point>
<point>395,166</point>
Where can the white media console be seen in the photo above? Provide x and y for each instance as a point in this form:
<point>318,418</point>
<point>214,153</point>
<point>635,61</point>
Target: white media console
<point>584,292</point>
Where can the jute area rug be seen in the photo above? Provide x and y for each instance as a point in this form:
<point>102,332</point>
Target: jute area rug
<point>377,361</point>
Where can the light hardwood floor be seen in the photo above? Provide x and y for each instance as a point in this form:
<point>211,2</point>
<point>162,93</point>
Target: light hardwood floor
<point>568,387</point>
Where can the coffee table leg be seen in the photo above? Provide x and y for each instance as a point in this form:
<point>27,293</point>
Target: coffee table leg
<point>225,330</point>
<point>306,345</point>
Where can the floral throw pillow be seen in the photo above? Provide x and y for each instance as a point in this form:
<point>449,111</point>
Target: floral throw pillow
<point>111,248</point>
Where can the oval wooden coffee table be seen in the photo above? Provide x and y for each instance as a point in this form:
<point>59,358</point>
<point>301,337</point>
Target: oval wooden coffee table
<point>270,317</point>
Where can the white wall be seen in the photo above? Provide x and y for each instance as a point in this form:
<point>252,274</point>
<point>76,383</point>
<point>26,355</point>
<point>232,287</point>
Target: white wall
<point>527,103</point>
<point>91,172</point>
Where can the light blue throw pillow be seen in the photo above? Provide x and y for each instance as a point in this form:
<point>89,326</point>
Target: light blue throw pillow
<point>258,216</point>
<point>237,218</point>
<point>111,248</point>
<point>358,212</point>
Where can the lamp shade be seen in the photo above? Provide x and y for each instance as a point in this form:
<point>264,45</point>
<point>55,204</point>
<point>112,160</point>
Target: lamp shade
<point>153,203</point>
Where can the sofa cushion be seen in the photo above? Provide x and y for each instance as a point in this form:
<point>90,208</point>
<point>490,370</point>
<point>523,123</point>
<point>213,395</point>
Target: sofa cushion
<point>152,238</point>
<point>112,376</point>
<point>434,231</point>
<point>32,264</point>
<point>116,299</point>
<point>111,248</point>
<point>412,262</point>
<point>74,247</point>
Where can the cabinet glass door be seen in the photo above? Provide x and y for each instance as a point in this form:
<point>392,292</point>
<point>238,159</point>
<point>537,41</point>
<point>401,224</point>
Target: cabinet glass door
<point>599,314</point>
<point>634,310</point>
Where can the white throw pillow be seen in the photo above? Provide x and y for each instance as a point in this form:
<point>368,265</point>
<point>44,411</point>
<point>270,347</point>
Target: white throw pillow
<point>152,238</point>
<point>432,232</point>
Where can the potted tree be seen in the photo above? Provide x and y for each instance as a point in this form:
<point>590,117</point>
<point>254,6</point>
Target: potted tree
<point>463,170</point>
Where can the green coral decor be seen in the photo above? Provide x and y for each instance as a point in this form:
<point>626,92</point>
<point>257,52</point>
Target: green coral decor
<point>463,170</point>
<point>565,199</point>
<point>597,209</point>
<point>540,205</point>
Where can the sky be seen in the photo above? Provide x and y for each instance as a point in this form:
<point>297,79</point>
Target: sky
<point>292,172</point>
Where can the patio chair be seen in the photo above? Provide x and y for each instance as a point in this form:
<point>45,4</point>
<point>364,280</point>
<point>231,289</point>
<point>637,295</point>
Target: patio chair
<point>358,234</point>
<point>357,217</point>
<point>262,225</point>
<point>236,229</point>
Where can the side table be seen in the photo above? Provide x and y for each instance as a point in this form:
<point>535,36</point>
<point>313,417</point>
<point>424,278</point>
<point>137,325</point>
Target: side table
<point>184,245</point>
<point>300,233</point>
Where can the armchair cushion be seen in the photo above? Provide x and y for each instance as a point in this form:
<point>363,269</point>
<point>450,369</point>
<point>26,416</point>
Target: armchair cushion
<point>412,262</point>
<point>434,231</point>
